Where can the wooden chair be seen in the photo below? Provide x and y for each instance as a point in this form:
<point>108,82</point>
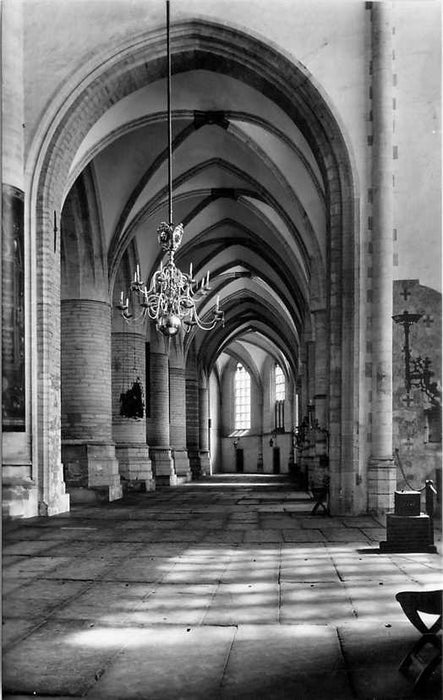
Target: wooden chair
<point>320,494</point>
<point>425,655</point>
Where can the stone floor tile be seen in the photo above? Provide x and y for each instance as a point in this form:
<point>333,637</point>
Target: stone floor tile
<point>167,664</point>
<point>139,536</point>
<point>298,508</point>
<point>116,550</point>
<point>32,547</point>
<point>199,572</point>
<point>263,536</point>
<point>24,533</point>
<point>105,602</point>
<point>143,569</point>
<point>295,661</point>
<point>242,603</point>
<point>41,697</point>
<point>365,521</point>
<point>305,549</point>
<point>374,534</point>
<point>224,536</point>
<point>69,533</point>
<point>31,566</point>
<point>315,603</point>
<point>345,535</point>
<point>201,550</point>
<point>308,573</point>
<point>73,549</point>
<point>163,549</point>
<point>80,568</point>
<point>8,585</point>
<point>38,598</point>
<point>16,628</point>
<point>282,523</point>
<point>318,522</point>
<point>174,604</point>
<point>54,660</point>
<point>373,652</point>
<point>173,515</point>
<point>303,535</point>
<point>179,536</point>
<point>354,565</point>
<point>94,534</point>
<point>271,509</point>
<point>374,600</point>
<point>242,572</point>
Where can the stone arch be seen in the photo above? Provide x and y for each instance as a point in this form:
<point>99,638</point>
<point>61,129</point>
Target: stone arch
<point>83,98</point>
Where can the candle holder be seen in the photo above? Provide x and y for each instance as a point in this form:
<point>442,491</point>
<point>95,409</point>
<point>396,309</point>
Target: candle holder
<point>418,374</point>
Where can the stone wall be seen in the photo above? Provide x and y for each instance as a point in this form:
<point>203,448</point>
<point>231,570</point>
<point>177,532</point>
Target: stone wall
<point>417,421</point>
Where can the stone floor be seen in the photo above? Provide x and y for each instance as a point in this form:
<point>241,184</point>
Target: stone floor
<point>225,588</point>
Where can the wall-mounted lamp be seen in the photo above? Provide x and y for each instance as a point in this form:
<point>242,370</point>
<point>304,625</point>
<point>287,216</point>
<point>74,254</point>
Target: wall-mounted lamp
<point>273,438</point>
<point>235,443</point>
<point>417,369</point>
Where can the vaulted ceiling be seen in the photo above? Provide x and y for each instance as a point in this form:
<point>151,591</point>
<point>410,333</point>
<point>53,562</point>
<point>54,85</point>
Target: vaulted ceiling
<point>247,188</point>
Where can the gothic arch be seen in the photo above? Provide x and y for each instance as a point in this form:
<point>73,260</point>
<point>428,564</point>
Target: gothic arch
<point>87,95</point>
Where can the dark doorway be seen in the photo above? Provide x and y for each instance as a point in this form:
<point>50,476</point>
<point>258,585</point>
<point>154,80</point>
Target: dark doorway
<point>239,460</point>
<point>276,460</point>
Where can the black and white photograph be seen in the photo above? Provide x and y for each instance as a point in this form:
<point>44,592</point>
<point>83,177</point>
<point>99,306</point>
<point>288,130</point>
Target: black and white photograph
<point>221,360</point>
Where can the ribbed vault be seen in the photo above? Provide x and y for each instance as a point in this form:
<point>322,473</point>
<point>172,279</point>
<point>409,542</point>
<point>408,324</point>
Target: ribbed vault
<point>262,182</point>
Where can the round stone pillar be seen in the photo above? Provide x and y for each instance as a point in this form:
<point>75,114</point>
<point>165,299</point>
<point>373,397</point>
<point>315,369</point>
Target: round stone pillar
<point>129,410</point>
<point>321,367</point>
<point>88,450</point>
<point>381,469</point>
<point>177,398</point>
<point>158,423</point>
<point>204,430</point>
<point>192,417</point>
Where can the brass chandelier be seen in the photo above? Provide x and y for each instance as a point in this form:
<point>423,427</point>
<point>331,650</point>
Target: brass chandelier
<point>172,295</point>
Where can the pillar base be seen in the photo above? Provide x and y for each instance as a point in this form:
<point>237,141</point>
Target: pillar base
<point>382,482</point>
<point>181,466</point>
<point>58,500</point>
<point>135,467</point>
<point>163,466</point>
<point>20,498</point>
<point>205,464</point>
<point>91,466</point>
<point>194,464</point>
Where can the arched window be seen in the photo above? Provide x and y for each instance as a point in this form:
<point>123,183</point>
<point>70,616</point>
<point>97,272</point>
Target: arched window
<point>280,395</point>
<point>242,397</point>
<point>280,385</point>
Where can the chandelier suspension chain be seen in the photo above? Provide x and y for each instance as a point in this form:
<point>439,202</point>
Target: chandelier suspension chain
<point>169,109</point>
<point>172,295</point>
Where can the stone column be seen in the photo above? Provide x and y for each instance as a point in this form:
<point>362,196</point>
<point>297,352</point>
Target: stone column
<point>303,383</point>
<point>203,401</point>
<point>32,472</point>
<point>129,410</point>
<point>192,416</point>
<point>381,470</point>
<point>88,451</point>
<point>158,423</point>
<point>321,367</point>
<point>177,399</point>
